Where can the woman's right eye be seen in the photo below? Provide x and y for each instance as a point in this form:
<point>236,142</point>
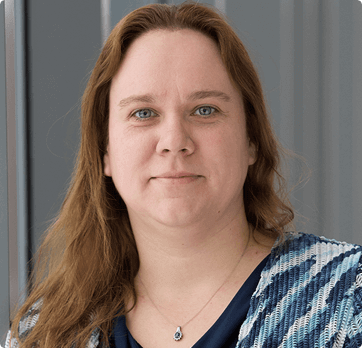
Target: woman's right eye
<point>144,114</point>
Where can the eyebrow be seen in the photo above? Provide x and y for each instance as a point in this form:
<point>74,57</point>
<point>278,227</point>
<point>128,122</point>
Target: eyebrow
<point>197,95</point>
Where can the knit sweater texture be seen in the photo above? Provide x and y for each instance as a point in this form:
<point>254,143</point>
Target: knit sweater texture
<point>309,295</point>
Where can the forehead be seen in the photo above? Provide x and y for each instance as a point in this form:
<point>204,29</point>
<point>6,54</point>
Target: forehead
<point>162,61</point>
<point>177,42</point>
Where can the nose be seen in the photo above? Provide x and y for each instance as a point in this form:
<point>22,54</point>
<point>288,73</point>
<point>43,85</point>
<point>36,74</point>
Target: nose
<point>175,137</point>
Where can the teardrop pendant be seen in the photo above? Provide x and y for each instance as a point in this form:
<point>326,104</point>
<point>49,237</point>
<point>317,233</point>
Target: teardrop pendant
<point>178,334</point>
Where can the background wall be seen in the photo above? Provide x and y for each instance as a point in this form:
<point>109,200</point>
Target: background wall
<point>308,54</point>
<point>4,225</point>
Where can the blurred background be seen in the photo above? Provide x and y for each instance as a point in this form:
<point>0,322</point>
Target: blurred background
<point>308,54</point>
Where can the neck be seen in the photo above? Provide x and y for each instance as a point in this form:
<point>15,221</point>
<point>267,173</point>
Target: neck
<point>174,263</point>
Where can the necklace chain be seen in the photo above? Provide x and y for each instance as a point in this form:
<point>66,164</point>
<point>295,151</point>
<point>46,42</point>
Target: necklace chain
<point>178,335</point>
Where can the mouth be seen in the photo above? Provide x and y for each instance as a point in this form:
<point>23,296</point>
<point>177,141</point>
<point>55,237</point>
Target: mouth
<point>178,180</point>
<point>176,176</point>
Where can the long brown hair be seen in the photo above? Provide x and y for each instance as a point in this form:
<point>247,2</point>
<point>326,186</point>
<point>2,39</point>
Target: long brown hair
<point>87,263</point>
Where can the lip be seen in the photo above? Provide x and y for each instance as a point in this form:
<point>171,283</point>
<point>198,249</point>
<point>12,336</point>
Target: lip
<point>175,175</point>
<point>178,180</point>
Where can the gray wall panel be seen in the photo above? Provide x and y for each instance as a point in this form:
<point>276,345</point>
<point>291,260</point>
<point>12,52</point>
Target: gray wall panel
<point>356,195</point>
<point>345,123</point>
<point>22,174</point>
<point>4,241</point>
<point>64,43</point>
<point>257,24</point>
<point>121,8</point>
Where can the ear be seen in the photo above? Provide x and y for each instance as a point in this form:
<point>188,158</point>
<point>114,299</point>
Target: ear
<point>107,164</point>
<point>252,153</point>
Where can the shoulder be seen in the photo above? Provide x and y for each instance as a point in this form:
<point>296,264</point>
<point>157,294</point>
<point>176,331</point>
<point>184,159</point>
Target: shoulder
<point>28,322</point>
<point>320,253</point>
<point>310,290</point>
<point>313,263</point>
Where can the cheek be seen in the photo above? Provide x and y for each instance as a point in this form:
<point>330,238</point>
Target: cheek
<point>230,158</point>
<point>129,153</point>
<point>217,155</point>
<point>227,145</point>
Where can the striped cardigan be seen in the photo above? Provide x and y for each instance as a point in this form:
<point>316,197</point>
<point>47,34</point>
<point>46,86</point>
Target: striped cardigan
<point>309,295</point>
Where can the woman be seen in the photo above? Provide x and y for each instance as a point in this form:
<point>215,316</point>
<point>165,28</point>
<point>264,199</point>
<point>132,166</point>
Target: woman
<point>173,232</point>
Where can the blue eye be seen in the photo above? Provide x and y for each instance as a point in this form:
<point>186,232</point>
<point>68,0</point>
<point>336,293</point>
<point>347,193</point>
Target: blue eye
<point>207,109</point>
<point>143,114</point>
<point>146,114</point>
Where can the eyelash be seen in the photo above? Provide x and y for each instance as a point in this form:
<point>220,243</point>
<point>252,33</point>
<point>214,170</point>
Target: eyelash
<point>200,107</point>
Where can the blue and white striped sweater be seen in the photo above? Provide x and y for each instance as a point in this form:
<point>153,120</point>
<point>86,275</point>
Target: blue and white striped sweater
<point>309,295</point>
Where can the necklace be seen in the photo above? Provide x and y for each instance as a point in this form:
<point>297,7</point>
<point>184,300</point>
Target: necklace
<point>178,334</point>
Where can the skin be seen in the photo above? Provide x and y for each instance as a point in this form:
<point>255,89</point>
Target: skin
<point>190,236</point>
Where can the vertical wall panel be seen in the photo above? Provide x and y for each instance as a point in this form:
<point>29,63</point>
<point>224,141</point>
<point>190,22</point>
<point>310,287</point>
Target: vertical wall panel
<point>309,115</point>
<point>257,24</point>
<point>64,43</point>
<point>285,126</point>
<point>121,8</point>
<point>286,68</point>
<point>22,174</point>
<point>11,150</point>
<point>345,123</point>
<point>105,19</point>
<point>4,227</point>
<point>220,5</point>
<point>330,132</point>
<point>356,138</point>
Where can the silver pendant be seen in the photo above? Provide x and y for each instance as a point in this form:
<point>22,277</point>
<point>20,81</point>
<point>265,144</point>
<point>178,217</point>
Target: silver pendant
<point>178,334</point>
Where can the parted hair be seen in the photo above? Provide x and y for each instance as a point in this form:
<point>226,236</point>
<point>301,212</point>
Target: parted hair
<point>85,268</point>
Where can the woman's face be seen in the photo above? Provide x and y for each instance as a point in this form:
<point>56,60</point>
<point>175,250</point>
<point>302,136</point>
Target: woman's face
<point>180,126</point>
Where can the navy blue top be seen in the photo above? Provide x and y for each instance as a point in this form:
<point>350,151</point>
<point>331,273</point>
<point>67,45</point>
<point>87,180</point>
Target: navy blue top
<point>223,333</point>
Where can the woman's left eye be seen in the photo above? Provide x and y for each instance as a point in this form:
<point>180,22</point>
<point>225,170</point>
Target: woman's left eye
<point>207,110</point>
<point>146,114</point>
